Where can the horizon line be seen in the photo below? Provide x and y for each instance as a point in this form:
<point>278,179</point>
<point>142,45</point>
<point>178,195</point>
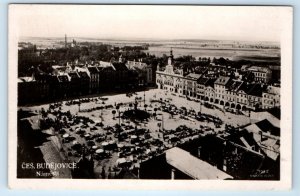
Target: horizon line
<point>152,39</point>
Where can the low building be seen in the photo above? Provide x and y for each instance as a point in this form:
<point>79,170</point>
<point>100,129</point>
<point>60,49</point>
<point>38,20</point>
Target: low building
<point>261,74</point>
<point>267,136</point>
<point>146,71</point>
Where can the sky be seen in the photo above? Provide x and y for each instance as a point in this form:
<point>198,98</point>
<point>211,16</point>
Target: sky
<point>255,23</point>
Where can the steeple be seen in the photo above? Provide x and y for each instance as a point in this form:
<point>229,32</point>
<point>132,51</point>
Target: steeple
<point>171,53</point>
<point>170,57</point>
<point>66,41</point>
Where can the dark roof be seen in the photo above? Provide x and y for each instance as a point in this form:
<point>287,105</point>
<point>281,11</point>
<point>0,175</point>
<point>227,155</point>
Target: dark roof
<point>45,78</point>
<point>222,80</point>
<point>266,126</point>
<point>237,138</point>
<point>234,85</point>
<point>254,90</point>
<point>93,70</point>
<point>120,66</point>
<point>210,82</point>
<point>275,112</point>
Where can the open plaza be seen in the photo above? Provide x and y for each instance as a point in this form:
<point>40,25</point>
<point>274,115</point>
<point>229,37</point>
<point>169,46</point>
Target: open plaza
<point>104,129</point>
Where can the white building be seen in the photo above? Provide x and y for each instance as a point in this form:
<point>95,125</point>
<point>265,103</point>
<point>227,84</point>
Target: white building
<point>169,79</point>
<point>261,74</point>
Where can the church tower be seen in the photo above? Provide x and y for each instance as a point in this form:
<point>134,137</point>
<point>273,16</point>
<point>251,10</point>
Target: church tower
<point>169,67</point>
<point>170,59</point>
<point>66,43</point>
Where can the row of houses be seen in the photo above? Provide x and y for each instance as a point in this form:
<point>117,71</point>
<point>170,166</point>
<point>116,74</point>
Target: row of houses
<point>77,80</point>
<point>233,91</point>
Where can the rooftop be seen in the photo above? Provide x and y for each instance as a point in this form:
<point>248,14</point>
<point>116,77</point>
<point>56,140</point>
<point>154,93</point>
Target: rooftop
<point>192,166</point>
<point>193,76</point>
<point>222,80</point>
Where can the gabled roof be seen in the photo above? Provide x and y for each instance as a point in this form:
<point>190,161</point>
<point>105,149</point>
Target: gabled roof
<point>222,80</point>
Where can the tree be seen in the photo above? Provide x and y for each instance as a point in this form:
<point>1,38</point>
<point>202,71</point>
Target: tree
<point>114,112</point>
<point>130,105</point>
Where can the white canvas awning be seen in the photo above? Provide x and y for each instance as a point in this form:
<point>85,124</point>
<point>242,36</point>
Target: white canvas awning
<point>194,167</point>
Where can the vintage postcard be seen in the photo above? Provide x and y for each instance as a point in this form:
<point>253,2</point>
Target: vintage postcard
<point>150,97</point>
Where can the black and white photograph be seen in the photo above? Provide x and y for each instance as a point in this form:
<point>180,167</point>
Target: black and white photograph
<point>150,93</point>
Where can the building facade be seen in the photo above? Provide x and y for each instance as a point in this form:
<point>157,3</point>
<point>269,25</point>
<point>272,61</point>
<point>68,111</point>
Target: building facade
<point>169,79</point>
<point>271,97</point>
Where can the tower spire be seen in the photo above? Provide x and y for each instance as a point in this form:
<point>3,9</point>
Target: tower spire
<point>171,53</point>
<point>66,41</point>
<point>170,57</point>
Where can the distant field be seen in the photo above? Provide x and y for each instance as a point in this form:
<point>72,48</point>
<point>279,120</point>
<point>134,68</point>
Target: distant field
<point>196,48</point>
<point>233,54</point>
